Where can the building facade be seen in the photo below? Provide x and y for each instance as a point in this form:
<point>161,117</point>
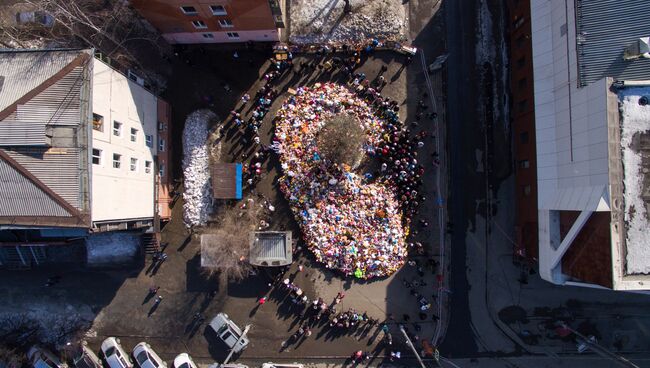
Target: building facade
<point>214,21</point>
<point>80,154</point>
<point>523,129</point>
<point>591,203</point>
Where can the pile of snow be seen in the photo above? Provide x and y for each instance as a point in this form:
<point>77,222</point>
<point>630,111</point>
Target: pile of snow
<point>323,21</point>
<point>112,248</point>
<point>196,160</point>
<point>635,121</point>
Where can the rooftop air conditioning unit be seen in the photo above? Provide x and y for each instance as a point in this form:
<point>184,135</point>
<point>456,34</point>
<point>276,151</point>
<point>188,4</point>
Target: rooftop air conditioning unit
<point>639,49</point>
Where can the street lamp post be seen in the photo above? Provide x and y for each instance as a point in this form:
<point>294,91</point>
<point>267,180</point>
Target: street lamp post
<point>600,350</point>
<point>243,334</point>
<point>410,345</point>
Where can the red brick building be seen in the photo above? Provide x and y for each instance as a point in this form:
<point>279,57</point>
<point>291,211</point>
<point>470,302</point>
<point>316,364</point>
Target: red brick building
<point>214,21</point>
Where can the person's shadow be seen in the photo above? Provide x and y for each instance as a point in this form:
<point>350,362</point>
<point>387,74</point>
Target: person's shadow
<point>148,297</point>
<point>153,309</point>
<point>254,310</point>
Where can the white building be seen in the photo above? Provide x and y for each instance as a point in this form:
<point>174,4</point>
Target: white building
<point>590,175</point>
<point>82,150</point>
<point>124,147</point>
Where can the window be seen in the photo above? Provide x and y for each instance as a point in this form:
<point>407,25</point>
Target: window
<point>161,145</point>
<point>98,122</point>
<point>134,164</point>
<point>225,23</point>
<point>520,41</point>
<point>161,170</point>
<point>523,137</point>
<point>208,35</point>
<point>147,167</point>
<point>527,190</point>
<point>148,139</point>
<point>134,135</point>
<point>523,82</point>
<point>189,10</point>
<point>524,164</point>
<point>117,128</point>
<point>162,126</point>
<point>523,104</point>
<point>117,161</point>
<point>233,35</point>
<point>97,156</point>
<point>521,62</point>
<point>199,24</point>
<point>218,10</point>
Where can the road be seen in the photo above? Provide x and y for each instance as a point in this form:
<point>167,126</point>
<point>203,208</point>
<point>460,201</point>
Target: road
<point>461,124</point>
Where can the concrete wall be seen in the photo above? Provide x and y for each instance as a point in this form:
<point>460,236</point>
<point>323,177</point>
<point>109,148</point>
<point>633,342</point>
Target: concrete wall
<point>570,130</point>
<point>270,35</point>
<point>571,123</point>
<point>119,194</point>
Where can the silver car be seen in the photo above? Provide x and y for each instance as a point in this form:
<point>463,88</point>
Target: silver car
<point>146,357</point>
<point>229,332</point>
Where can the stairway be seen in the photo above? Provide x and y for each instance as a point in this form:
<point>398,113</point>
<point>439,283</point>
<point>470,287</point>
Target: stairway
<point>12,260</point>
<point>150,242</point>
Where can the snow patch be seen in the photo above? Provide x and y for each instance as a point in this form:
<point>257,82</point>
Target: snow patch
<point>635,120</point>
<point>196,161</point>
<point>112,248</point>
<point>323,21</point>
<point>45,322</point>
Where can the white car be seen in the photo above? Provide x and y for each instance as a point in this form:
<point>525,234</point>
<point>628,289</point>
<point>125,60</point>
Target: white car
<point>43,358</point>
<point>229,332</point>
<point>115,356</point>
<point>183,360</point>
<point>282,365</point>
<point>146,357</point>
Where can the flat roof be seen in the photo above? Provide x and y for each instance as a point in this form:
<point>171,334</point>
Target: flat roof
<point>635,156</point>
<point>271,248</point>
<point>227,181</point>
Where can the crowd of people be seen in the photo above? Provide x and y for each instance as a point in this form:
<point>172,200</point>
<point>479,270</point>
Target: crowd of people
<point>317,312</point>
<point>348,223</point>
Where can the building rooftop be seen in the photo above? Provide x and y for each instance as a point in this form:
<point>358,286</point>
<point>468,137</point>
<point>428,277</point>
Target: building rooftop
<point>604,29</point>
<point>635,147</point>
<point>271,248</point>
<point>44,107</point>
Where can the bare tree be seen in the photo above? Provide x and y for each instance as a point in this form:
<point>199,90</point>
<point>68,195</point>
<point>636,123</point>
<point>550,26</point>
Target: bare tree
<point>9,357</point>
<point>341,140</point>
<point>225,249</point>
<point>110,26</point>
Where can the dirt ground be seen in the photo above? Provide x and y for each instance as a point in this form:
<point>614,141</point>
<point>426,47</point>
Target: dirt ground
<point>117,304</point>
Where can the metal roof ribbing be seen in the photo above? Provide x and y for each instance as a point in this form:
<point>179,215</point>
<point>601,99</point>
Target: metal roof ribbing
<point>604,28</point>
<point>58,104</point>
<point>24,71</point>
<point>56,168</point>
<point>21,197</point>
<point>20,133</point>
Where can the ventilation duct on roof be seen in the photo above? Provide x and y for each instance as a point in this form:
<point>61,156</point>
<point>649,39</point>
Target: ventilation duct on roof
<point>639,49</point>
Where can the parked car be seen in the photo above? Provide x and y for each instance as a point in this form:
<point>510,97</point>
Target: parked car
<point>229,332</point>
<point>115,356</point>
<point>183,360</point>
<point>86,358</point>
<point>146,357</point>
<point>282,365</point>
<point>229,365</point>
<point>40,357</point>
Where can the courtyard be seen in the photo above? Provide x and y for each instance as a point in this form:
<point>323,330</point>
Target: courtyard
<point>117,302</point>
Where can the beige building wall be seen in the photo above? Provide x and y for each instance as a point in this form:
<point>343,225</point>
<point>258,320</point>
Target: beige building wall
<point>125,192</point>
